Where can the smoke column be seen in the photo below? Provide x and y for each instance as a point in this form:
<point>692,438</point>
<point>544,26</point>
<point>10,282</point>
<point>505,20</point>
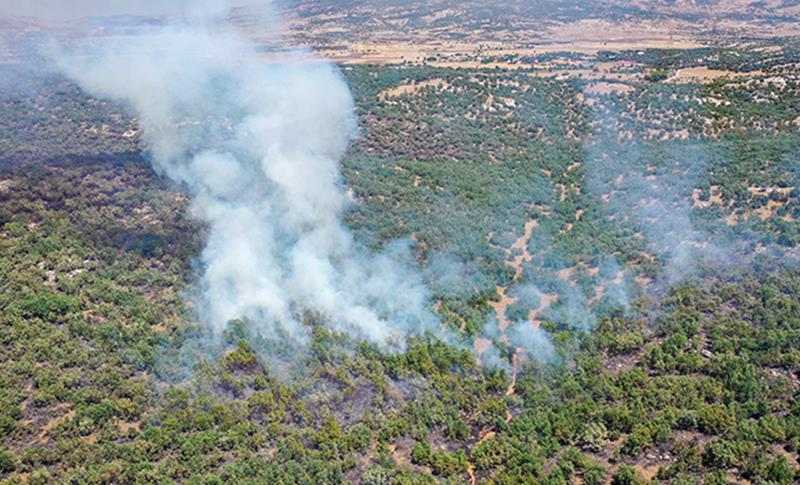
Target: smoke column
<point>257,146</point>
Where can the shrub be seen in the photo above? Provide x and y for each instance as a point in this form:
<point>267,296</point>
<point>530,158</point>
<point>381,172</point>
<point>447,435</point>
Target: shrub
<point>7,464</point>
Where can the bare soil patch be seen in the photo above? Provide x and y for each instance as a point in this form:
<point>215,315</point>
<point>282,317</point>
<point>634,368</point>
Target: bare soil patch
<point>705,74</point>
<point>412,88</point>
<point>605,88</point>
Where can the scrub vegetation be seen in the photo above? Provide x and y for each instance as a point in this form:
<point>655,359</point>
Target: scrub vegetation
<point>569,208</point>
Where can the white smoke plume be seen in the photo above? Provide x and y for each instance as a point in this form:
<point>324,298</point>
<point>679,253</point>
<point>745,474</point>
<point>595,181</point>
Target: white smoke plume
<point>257,145</point>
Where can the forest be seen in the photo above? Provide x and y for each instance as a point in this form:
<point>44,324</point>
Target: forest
<point>650,231</point>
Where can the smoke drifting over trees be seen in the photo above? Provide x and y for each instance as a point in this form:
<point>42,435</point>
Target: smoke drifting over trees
<point>257,145</point>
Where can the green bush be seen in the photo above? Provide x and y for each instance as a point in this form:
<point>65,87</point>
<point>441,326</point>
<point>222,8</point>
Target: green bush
<point>7,462</point>
<point>48,306</point>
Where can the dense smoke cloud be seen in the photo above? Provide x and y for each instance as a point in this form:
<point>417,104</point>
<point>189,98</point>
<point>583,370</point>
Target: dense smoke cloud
<point>257,145</point>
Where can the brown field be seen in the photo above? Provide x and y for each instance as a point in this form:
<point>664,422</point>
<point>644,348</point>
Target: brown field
<point>412,88</point>
<point>454,35</point>
<point>704,74</point>
<point>608,88</point>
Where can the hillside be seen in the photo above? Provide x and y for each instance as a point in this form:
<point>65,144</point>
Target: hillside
<point>467,33</point>
<point>600,198</point>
